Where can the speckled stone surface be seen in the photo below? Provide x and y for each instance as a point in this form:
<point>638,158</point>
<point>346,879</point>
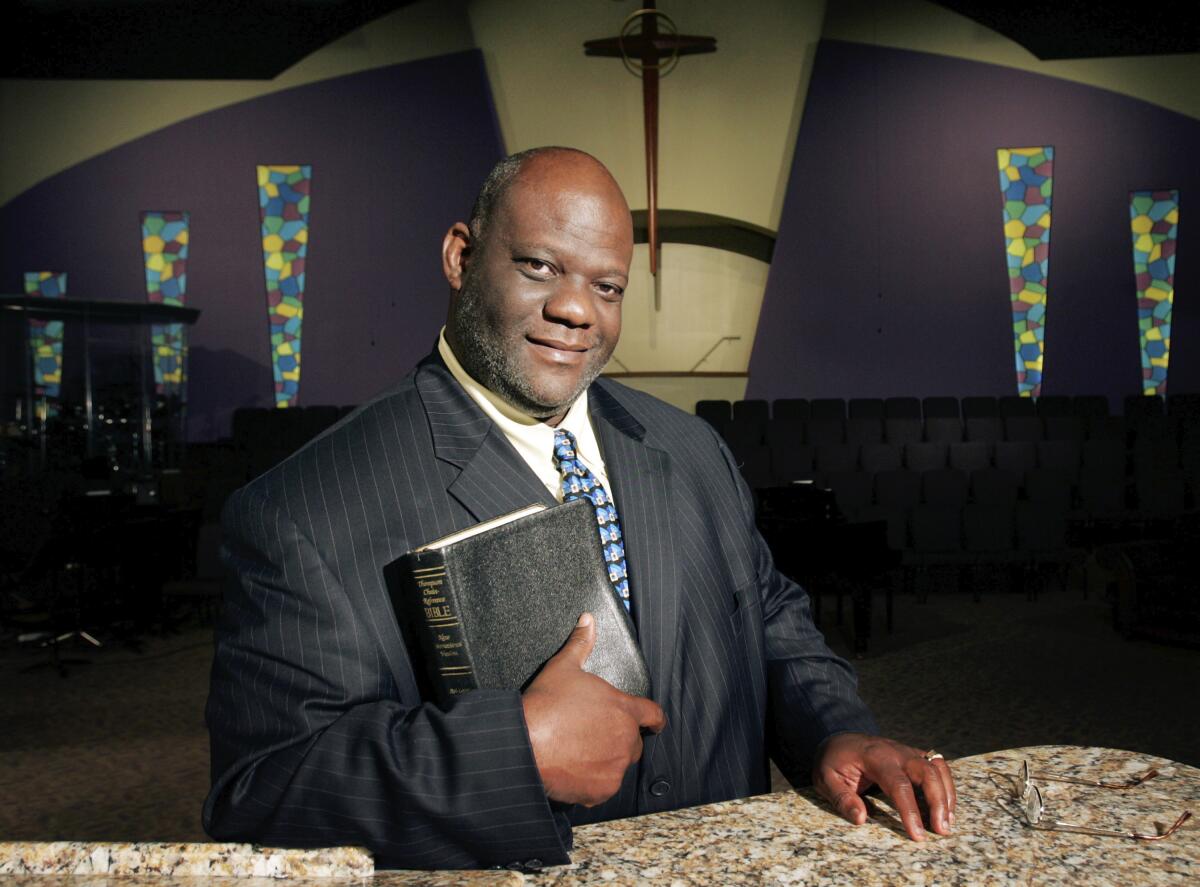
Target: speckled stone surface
<point>183,860</point>
<point>793,838</point>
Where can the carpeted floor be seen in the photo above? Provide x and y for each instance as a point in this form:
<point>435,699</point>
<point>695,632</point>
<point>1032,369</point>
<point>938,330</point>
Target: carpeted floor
<point>118,750</point>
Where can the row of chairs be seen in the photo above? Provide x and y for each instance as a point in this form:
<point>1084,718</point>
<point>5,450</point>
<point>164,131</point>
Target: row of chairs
<point>1097,494</point>
<point>1084,406</point>
<point>793,432</point>
<point>780,464</point>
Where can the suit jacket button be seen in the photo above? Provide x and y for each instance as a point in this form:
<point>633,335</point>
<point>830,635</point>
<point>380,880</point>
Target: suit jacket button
<point>659,787</point>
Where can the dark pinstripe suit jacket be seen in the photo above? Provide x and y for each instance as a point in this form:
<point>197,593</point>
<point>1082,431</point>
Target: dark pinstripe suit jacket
<point>318,733</point>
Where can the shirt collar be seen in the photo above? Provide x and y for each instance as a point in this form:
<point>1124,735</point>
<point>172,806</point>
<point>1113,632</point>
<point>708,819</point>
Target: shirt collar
<point>528,434</point>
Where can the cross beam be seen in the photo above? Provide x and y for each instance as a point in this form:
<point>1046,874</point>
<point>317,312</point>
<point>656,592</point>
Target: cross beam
<point>649,48</point>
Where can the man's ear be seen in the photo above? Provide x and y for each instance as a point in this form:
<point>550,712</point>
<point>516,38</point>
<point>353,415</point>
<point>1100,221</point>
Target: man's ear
<point>456,250</point>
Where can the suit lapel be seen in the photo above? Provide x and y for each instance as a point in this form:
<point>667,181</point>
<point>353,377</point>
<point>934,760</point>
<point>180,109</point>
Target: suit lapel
<point>493,479</point>
<point>640,475</point>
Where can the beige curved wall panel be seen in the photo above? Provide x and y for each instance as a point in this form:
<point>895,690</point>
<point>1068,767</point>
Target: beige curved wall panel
<point>51,125</point>
<point>1171,81</point>
<point>727,121</point>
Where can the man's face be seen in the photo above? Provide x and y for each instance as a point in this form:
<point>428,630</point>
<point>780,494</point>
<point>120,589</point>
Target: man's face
<point>538,311</point>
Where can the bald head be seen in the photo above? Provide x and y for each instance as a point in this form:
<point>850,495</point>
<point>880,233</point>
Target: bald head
<point>555,162</point>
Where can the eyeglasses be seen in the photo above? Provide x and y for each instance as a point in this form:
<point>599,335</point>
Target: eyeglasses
<point>1033,808</point>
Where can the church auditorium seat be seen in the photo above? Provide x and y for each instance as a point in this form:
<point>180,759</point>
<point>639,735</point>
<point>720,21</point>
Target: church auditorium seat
<point>899,488</point>
<point>1023,428</point>
<point>944,486</point>
<point>824,431</point>
<point>970,455</point>
<point>743,437</point>
<point>716,413</point>
<point>827,408</point>
<point>1015,456</point>
<point>1089,405</point>
<point>925,456</point>
<point>790,408</point>
<point>835,458</point>
<point>785,431</point>
<point>1012,405</point>
<point>901,430</point>
<point>865,408</point>
<point>876,457</point>
<point>902,408</point>
<point>1140,405</point>
<point>941,407</point>
<point>993,486</point>
<point>1054,406</point>
<point>1107,428</point>
<point>936,554</point>
<point>985,428</point>
<point>989,541</point>
<point>1049,488</point>
<point>864,430</point>
<point>1042,543</point>
<point>1060,455</point>
<point>1160,494</point>
<point>1102,493</point>
<point>1104,453</point>
<point>979,407</point>
<point>751,416</point>
<point>1064,428</point>
<point>943,429</point>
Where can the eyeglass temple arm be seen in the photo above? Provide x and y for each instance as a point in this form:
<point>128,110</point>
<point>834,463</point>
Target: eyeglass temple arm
<point>1056,826</point>
<point>1132,783</point>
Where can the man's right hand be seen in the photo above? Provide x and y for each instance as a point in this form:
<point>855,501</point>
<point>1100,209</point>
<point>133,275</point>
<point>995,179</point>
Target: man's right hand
<point>584,731</point>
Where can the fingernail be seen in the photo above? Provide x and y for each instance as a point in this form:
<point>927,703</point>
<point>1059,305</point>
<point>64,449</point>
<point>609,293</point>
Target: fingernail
<point>951,819</point>
<point>585,619</point>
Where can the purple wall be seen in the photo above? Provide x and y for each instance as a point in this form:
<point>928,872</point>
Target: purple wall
<point>889,275</point>
<point>397,156</point>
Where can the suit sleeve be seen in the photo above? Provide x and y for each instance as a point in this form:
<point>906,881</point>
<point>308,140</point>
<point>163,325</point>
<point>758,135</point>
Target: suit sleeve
<point>813,692</point>
<point>313,743</point>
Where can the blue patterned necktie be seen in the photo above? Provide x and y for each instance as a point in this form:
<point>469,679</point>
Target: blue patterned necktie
<point>578,481</point>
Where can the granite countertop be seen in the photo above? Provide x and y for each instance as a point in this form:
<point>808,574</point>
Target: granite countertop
<point>785,838</point>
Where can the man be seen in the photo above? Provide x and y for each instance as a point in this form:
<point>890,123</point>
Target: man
<point>319,735</point>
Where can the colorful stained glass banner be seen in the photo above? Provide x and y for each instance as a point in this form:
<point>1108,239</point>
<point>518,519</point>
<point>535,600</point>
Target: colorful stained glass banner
<point>1026,184</point>
<point>46,338</point>
<point>283,198</point>
<point>1154,222</point>
<point>165,252</point>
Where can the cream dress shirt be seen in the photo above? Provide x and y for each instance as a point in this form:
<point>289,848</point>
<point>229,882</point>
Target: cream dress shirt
<point>532,438</point>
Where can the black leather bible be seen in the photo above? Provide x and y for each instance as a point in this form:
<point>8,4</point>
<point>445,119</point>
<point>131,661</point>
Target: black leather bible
<point>488,606</point>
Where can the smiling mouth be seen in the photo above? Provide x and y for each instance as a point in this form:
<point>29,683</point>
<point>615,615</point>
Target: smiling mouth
<point>556,345</point>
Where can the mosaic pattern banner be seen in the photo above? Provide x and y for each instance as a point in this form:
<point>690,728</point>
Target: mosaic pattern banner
<point>283,194</point>
<point>1026,183</point>
<point>1154,222</point>
<point>165,252</point>
<point>46,340</point>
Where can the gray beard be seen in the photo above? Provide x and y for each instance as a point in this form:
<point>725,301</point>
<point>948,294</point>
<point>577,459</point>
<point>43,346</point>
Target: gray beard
<point>490,363</point>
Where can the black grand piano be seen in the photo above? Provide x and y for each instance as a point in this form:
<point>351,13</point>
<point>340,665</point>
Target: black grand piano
<point>815,545</point>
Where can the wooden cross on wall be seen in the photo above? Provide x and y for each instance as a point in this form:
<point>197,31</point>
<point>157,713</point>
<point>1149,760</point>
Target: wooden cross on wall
<point>643,54</point>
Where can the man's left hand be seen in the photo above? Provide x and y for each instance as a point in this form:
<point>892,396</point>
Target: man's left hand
<point>848,764</point>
